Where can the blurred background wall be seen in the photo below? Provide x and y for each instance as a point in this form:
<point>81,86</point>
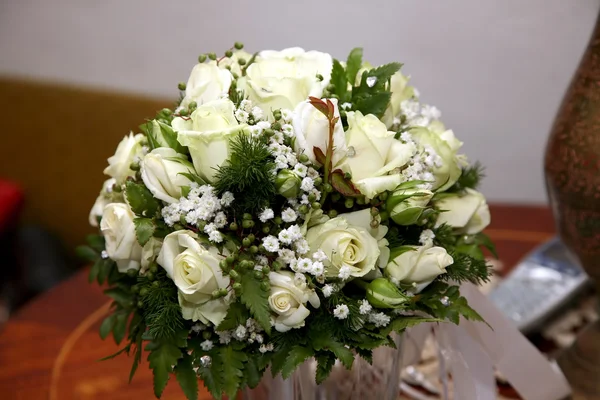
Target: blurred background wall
<point>77,75</point>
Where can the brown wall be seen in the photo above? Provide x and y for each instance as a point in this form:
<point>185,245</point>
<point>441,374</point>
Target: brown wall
<point>54,141</point>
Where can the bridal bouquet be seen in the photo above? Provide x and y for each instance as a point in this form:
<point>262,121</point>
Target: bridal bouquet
<point>291,206</point>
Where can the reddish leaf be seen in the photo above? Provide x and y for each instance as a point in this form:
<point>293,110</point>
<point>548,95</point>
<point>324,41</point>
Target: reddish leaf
<point>319,105</point>
<point>330,109</point>
<point>319,155</point>
<point>343,185</point>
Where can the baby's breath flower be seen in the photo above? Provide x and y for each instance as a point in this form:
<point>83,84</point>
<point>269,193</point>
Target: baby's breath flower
<point>341,311</point>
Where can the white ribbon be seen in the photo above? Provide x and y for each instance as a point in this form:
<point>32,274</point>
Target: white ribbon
<point>472,350</point>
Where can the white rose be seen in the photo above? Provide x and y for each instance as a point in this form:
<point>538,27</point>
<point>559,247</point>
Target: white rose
<point>207,82</point>
<point>349,241</point>
<point>196,273</point>
<point>468,213</point>
<point>418,265</point>
<point>150,252</point>
<point>119,234</point>
<point>162,171</point>
<point>282,79</point>
<point>445,146</point>
<point>127,150</point>
<point>232,61</point>
<point>311,128</point>
<point>373,155</point>
<point>103,199</point>
<point>406,206</point>
<point>208,133</point>
<point>288,300</point>
<point>400,92</point>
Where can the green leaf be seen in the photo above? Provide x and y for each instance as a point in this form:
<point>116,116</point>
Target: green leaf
<point>325,362</point>
<point>338,79</point>
<point>119,295</point>
<point>107,326</point>
<point>193,178</point>
<point>233,364</point>
<point>327,342</point>
<point>343,185</point>
<point>144,229</point>
<point>169,136</point>
<point>121,351</point>
<point>252,374</point>
<point>236,315</point>
<point>93,275</point>
<point>485,241</point>
<point>146,128</point>
<point>120,327</point>
<point>375,103</point>
<point>86,253</point>
<point>105,267</point>
<point>402,323</point>
<point>162,357</point>
<point>466,311</point>
<point>211,376</point>
<point>353,64</point>
<point>366,354</point>
<point>257,300</point>
<point>279,358</point>
<point>140,199</point>
<point>383,74</point>
<point>137,358</point>
<point>187,377</point>
<point>96,242</point>
<point>296,356</point>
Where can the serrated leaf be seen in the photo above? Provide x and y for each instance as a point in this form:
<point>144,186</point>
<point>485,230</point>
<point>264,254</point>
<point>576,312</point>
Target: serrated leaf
<point>211,376</point>
<point>120,327</point>
<point>326,342</point>
<point>353,64</point>
<point>107,326</point>
<point>252,374</point>
<point>144,229</point>
<point>319,105</point>
<point>121,351</point>
<point>485,241</point>
<point>365,354</point>
<point>119,295</point>
<point>339,80</point>
<point>383,73</point>
<point>162,357</point>
<point>296,356</point>
<point>342,185</point>
<point>105,267</point>
<point>257,300</point>
<point>236,315</point>
<point>372,103</point>
<point>137,358</point>
<point>233,364</point>
<point>325,362</point>
<point>279,358</point>
<point>86,253</point>
<point>96,242</point>
<point>402,323</point>
<point>140,199</point>
<point>186,377</point>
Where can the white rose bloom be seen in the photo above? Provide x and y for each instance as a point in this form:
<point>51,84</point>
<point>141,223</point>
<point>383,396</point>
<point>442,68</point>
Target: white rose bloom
<point>445,146</point>
<point>288,300</point>
<point>162,171</point>
<point>311,128</point>
<point>102,201</point>
<point>349,241</point>
<point>282,79</point>
<point>127,150</point>
<point>207,82</point>
<point>400,92</point>
<point>418,265</point>
<point>373,154</point>
<point>119,233</point>
<point>196,273</point>
<point>468,213</point>
<point>208,133</point>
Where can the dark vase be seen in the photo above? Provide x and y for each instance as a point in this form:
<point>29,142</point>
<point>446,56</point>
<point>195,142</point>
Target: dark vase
<point>572,169</point>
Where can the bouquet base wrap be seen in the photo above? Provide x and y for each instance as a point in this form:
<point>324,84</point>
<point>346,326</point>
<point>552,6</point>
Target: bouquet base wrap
<point>472,350</point>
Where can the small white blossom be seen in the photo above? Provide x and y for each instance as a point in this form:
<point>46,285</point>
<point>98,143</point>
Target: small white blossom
<point>241,116</point>
<point>365,307</point>
<point>430,112</point>
<point>226,199</point>
<point>246,105</point>
<point>263,125</point>
<point>266,215</point>
<point>240,332</point>
<point>317,268</point>
<point>220,220</point>
<point>301,170</point>
<point>278,137</point>
<point>319,255</point>
<point>262,261</point>
<point>259,338</point>
<point>287,115</point>
<point>257,112</point>
<point>224,336</point>
<point>215,236</point>
<point>301,246</point>
<point>304,265</point>
<point>304,199</point>
<point>286,255</point>
<point>312,173</point>
<point>396,121</point>
<point>426,238</point>
<point>207,345</point>
<point>345,272</point>
<point>271,243</point>
<point>198,327</point>
<point>341,311</point>
<point>406,136</point>
<point>346,106</point>
<point>289,215</point>
<point>307,184</point>
<point>288,130</point>
<point>281,162</point>
<point>379,319</point>
<point>299,280</point>
<point>292,202</point>
<point>285,237</point>
<point>255,131</point>
<point>328,290</point>
<point>265,348</point>
<point>295,232</point>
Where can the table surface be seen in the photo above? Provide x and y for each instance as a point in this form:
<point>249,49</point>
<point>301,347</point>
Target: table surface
<point>51,347</point>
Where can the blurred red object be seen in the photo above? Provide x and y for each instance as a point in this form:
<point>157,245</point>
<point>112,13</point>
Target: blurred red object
<point>11,203</point>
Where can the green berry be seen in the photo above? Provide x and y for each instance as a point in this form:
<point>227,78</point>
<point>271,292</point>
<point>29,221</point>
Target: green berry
<point>216,294</point>
<point>327,188</point>
<point>181,85</point>
<point>140,304</point>
<point>193,105</point>
<point>316,205</point>
<point>150,276</point>
<point>336,196</point>
<point>223,264</point>
<point>264,285</point>
<point>132,273</point>
<point>383,196</point>
<point>303,208</point>
<point>212,56</point>
<point>233,274</point>
<point>258,274</point>
<point>374,211</point>
<point>277,220</point>
<point>228,53</point>
<point>266,270</point>
<point>360,200</point>
<point>230,259</point>
<point>251,237</point>
<point>277,115</point>
<point>276,265</point>
<point>318,181</point>
<point>223,292</point>
<point>237,286</point>
<point>269,132</point>
<point>246,242</point>
<point>135,289</point>
<point>247,216</point>
<point>143,292</point>
<point>303,158</point>
<point>349,203</point>
<point>247,223</point>
<point>184,112</point>
<point>201,58</point>
<point>155,284</point>
<point>253,249</point>
<point>276,126</point>
<point>266,229</point>
<point>206,335</point>
<point>312,197</point>
<point>241,61</point>
<point>233,226</point>
<point>332,213</point>
<point>238,45</point>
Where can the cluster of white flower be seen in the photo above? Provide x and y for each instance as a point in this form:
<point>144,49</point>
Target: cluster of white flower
<point>341,311</point>
<point>418,114</point>
<point>251,332</point>
<point>246,113</point>
<point>426,238</point>
<point>379,319</point>
<point>201,206</point>
<point>365,307</point>
<point>421,164</point>
<point>266,347</point>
